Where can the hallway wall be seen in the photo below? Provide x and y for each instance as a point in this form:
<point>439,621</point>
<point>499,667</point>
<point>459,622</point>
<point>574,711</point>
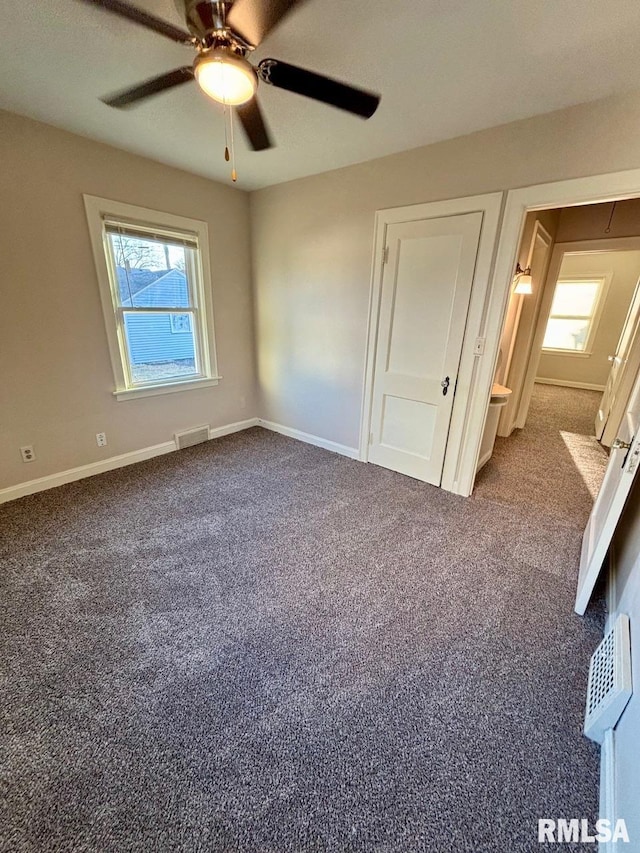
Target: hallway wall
<point>570,224</point>
<point>625,596</point>
<point>594,368</point>
<point>522,315</point>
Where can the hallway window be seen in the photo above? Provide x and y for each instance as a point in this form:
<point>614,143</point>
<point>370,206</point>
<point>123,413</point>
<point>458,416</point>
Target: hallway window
<point>574,313</point>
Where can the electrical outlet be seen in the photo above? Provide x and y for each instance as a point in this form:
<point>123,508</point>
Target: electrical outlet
<point>101,439</point>
<point>28,453</point>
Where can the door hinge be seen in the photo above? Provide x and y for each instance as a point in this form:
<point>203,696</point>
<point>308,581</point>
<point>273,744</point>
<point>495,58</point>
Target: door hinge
<point>370,438</point>
<point>385,255</point>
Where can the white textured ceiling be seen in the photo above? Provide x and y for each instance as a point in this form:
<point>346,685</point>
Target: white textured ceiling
<point>444,68</point>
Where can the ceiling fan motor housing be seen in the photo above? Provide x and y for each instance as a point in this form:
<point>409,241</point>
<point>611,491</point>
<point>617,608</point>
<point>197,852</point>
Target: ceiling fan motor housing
<point>207,19</point>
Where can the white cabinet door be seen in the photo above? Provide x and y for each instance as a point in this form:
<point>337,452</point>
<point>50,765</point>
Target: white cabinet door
<point>606,512</point>
<point>426,288</point>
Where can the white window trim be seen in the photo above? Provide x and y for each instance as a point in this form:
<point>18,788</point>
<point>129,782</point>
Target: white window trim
<point>603,289</point>
<point>99,208</point>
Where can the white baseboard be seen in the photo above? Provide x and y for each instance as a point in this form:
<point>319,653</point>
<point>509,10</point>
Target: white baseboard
<point>484,459</point>
<point>238,426</point>
<point>342,449</point>
<point>11,493</point>
<point>607,806</point>
<point>565,383</point>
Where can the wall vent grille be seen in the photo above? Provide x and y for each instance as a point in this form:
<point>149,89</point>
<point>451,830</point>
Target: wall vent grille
<point>610,686</point>
<point>189,437</point>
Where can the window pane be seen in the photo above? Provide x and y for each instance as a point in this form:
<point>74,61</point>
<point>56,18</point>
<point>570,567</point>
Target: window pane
<point>566,334</point>
<point>160,346</point>
<point>574,298</point>
<point>151,274</point>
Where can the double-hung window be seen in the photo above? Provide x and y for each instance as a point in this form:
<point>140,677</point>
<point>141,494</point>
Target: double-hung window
<point>155,289</point>
<point>574,316</point>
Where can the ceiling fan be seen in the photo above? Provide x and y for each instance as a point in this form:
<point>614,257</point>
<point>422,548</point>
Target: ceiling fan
<point>223,33</point>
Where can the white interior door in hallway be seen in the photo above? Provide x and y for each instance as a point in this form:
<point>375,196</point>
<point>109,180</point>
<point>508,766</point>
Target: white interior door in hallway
<point>426,289</point>
<point>625,364</point>
<point>604,518</point>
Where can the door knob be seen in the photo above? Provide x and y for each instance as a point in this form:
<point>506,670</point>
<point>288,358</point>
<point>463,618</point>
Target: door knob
<point>445,385</point>
<point>619,444</point>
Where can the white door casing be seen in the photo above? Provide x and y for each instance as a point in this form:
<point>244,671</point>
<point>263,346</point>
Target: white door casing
<point>606,512</point>
<point>426,287</point>
<point>515,376</point>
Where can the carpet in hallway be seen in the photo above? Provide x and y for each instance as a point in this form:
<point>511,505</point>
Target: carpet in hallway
<point>555,462</point>
<point>257,645</point>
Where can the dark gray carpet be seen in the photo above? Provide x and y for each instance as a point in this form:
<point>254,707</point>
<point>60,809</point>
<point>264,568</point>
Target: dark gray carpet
<point>555,464</point>
<point>256,645</point>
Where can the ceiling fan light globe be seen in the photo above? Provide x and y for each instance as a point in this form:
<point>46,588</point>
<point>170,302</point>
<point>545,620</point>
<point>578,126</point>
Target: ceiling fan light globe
<point>225,77</point>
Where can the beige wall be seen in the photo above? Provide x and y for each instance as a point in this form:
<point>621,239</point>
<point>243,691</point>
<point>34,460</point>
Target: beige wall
<point>625,598</point>
<point>312,241</point>
<point>57,380</point>
<point>594,369</point>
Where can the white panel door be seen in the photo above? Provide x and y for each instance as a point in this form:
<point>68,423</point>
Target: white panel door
<point>606,402</point>
<point>624,365</point>
<point>606,512</point>
<point>426,288</point>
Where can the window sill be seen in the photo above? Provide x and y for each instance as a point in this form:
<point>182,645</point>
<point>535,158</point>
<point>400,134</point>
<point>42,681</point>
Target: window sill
<point>172,388</point>
<point>574,353</point>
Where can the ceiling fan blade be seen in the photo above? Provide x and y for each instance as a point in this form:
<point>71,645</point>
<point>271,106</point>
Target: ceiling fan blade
<point>154,86</point>
<point>254,19</point>
<point>139,16</point>
<point>318,87</point>
<point>254,126</point>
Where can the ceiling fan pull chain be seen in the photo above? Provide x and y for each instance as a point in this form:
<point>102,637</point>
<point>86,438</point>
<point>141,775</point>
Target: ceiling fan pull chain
<point>234,174</point>
<point>226,141</point>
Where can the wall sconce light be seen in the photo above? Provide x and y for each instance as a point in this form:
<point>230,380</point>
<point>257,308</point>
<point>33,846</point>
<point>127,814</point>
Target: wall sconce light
<point>522,281</point>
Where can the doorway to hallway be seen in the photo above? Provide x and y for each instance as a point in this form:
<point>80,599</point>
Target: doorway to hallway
<point>583,201</point>
<point>554,464</point>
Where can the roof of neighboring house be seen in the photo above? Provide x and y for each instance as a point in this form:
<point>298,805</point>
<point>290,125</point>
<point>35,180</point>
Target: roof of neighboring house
<point>132,280</point>
<point>170,290</point>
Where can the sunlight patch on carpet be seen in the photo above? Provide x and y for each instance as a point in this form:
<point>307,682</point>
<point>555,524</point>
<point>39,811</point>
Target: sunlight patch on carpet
<point>586,455</point>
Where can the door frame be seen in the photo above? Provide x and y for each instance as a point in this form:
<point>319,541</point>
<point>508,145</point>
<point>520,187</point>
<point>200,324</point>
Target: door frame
<point>539,233</point>
<point>597,246</point>
<point>515,371</point>
<point>461,452</point>
<point>596,189</point>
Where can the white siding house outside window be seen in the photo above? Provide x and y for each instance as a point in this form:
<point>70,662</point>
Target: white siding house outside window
<point>575,312</point>
<point>153,271</point>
